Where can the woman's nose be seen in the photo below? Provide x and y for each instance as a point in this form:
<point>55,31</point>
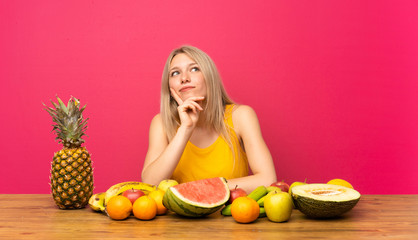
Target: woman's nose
<point>185,78</point>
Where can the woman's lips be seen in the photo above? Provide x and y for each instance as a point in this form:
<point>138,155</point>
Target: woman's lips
<point>185,89</point>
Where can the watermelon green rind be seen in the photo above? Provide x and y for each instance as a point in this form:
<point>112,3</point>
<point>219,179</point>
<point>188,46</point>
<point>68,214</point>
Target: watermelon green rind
<point>173,201</point>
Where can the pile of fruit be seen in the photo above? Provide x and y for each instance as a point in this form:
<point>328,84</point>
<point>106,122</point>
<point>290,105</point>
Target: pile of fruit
<point>273,202</point>
<point>277,201</point>
<point>142,200</point>
<point>204,197</point>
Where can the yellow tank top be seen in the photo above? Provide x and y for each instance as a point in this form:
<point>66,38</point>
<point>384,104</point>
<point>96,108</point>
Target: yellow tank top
<point>214,161</point>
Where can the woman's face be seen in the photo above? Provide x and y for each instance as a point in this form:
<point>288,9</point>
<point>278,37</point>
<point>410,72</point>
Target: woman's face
<point>186,78</point>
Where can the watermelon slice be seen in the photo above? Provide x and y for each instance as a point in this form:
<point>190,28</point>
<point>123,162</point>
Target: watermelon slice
<point>198,198</point>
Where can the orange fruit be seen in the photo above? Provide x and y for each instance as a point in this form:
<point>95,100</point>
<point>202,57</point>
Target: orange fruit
<point>158,195</point>
<point>245,210</point>
<point>145,208</point>
<point>119,208</point>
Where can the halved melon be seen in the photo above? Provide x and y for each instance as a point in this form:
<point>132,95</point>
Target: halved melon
<point>197,198</point>
<point>324,200</point>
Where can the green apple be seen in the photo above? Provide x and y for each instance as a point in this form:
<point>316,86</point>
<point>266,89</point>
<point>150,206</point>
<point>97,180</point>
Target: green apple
<point>261,200</point>
<point>165,184</point>
<point>273,188</point>
<point>278,206</point>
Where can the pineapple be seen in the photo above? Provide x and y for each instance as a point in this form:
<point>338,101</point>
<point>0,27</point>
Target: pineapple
<point>71,168</point>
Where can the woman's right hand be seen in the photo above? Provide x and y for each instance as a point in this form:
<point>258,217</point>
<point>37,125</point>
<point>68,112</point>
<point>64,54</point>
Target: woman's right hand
<point>188,110</point>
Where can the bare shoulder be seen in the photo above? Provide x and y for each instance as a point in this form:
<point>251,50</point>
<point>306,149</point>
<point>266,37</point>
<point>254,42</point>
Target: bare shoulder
<point>156,126</point>
<point>157,120</point>
<point>241,112</point>
<point>244,118</point>
<point>157,134</point>
<point>157,117</point>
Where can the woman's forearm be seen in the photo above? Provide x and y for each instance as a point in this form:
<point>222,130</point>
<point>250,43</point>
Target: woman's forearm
<point>164,165</point>
<point>251,182</point>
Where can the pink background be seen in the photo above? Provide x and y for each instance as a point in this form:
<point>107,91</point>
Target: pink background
<point>334,83</point>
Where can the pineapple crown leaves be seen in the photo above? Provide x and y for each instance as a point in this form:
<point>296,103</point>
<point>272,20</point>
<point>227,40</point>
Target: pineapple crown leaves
<point>69,124</point>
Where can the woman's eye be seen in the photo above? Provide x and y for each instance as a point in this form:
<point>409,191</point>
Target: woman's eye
<point>195,69</point>
<point>174,73</point>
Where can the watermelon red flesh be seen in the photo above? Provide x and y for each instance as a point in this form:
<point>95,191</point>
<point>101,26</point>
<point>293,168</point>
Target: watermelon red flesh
<point>197,191</point>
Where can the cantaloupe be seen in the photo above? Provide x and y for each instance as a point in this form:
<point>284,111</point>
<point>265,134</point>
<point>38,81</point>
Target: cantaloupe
<point>324,200</point>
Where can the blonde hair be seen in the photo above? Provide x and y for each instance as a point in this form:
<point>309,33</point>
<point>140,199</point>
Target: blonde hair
<point>216,98</point>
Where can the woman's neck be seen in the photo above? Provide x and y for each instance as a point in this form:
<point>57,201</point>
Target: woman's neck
<point>201,123</point>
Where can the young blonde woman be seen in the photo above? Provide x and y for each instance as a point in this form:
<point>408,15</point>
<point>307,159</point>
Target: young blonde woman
<point>200,132</point>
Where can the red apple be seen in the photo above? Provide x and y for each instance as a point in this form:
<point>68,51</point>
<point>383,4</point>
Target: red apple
<point>282,185</point>
<point>236,193</point>
<point>133,194</point>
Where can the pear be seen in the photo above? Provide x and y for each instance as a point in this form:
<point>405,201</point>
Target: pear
<point>165,184</point>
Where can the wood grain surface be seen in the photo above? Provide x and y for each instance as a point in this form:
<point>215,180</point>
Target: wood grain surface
<point>35,216</point>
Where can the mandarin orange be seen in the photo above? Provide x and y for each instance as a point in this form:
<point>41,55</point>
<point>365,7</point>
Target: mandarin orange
<point>145,208</point>
<point>119,207</point>
<point>245,210</point>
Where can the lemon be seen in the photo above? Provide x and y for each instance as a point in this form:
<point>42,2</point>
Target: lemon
<point>340,182</point>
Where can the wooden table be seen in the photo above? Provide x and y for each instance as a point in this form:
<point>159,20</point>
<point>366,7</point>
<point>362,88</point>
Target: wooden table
<point>35,216</point>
